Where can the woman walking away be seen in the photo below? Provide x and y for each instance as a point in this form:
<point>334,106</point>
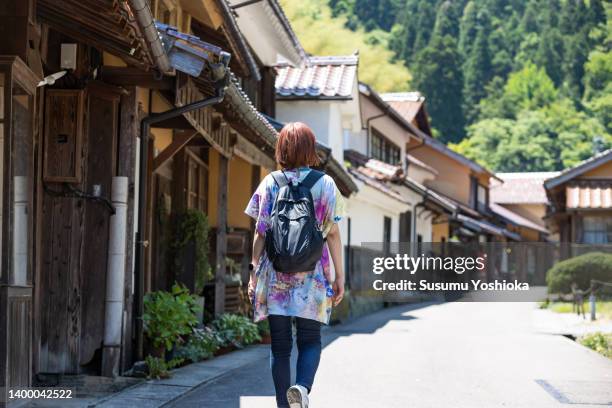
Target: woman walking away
<point>297,210</point>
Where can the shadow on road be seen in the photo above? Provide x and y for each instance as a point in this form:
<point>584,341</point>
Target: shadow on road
<point>251,385</point>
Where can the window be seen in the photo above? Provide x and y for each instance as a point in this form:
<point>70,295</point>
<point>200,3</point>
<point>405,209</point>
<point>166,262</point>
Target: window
<point>386,234</point>
<point>383,150</point>
<point>597,230</point>
<point>479,195</point>
<point>197,183</point>
<point>405,226</point>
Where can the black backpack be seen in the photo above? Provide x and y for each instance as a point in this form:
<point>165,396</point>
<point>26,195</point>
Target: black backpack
<point>294,243</point>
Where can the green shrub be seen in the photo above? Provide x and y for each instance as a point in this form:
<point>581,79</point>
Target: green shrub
<point>158,368</point>
<point>236,330</point>
<point>580,269</point>
<point>264,327</point>
<point>202,344</point>
<point>600,342</point>
<point>169,315</point>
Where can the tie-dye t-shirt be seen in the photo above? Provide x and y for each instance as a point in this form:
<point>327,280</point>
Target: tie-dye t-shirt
<point>305,294</point>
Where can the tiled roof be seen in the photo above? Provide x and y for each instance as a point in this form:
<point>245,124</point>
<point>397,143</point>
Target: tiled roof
<point>580,168</point>
<point>406,104</point>
<point>322,78</point>
<point>367,176</point>
<point>516,219</point>
<point>485,226</point>
<point>589,194</point>
<point>375,173</point>
<point>520,188</point>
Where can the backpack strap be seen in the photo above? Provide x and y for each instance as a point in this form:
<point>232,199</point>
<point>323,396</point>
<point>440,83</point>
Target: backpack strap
<point>311,178</point>
<point>280,178</point>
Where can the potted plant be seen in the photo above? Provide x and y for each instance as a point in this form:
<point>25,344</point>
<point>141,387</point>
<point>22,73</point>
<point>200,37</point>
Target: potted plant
<point>167,317</point>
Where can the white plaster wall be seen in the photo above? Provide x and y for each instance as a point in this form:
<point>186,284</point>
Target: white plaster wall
<point>367,217</point>
<point>357,141</point>
<point>335,132</point>
<point>315,114</point>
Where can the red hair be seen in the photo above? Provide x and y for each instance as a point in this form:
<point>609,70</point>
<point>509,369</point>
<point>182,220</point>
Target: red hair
<point>296,146</point>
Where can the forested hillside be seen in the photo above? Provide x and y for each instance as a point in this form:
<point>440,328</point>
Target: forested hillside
<point>518,85</point>
<point>323,34</point>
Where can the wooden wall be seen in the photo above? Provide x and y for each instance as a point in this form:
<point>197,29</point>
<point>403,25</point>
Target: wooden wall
<point>75,239</point>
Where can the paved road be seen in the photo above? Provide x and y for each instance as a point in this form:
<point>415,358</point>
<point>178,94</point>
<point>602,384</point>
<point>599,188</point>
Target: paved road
<point>459,355</point>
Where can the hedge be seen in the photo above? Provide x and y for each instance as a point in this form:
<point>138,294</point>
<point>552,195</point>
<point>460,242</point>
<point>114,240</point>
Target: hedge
<point>580,269</point>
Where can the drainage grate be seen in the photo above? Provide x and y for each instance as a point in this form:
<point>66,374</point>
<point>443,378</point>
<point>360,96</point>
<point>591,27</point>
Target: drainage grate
<point>579,392</point>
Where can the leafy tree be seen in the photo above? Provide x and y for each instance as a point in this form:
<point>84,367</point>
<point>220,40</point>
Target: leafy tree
<point>468,28</point>
<point>376,13</point>
<point>529,23</point>
<point>576,54</point>
<point>437,75</point>
<point>527,89</point>
<point>426,17</point>
<point>598,72</point>
<point>477,72</point>
<point>446,21</point>
<point>597,12</point>
<point>550,55</point>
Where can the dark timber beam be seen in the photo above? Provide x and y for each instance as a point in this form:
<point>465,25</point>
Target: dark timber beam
<point>178,142</point>
<point>221,249</point>
<point>124,76</point>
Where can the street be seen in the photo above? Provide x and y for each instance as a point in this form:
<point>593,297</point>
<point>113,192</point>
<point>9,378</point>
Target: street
<point>434,355</point>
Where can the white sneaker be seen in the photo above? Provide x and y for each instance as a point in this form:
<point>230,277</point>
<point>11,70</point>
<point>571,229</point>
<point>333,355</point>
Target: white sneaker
<point>297,396</point>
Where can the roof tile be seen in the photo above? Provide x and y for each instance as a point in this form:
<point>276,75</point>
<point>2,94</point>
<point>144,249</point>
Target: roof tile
<point>521,188</point>
<point>323,77</point>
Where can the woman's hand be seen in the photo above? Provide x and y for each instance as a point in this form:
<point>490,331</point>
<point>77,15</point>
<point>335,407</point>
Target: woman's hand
<point>252,286</point>
<point>338,287</point>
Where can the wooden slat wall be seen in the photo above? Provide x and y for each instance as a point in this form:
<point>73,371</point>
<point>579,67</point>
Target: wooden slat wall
<point>74,248</point>
<point>19,329</point>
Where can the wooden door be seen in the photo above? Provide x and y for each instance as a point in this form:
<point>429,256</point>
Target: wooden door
<point>74,234</point>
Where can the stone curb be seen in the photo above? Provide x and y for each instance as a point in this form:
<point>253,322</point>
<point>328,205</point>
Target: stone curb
<point>157,393</point>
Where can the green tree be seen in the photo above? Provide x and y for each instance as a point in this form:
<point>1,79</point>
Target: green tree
<point>550,55</point>
<point>527,89</point>
<point>446,21</point>
<point>598,73</point>
<point>376,13</point>
<point>477,73</point>
<point>597,12</point>
<point>576,54</point>
<point>529,23</point>
<point>468,28</point>
<point>437,74</point>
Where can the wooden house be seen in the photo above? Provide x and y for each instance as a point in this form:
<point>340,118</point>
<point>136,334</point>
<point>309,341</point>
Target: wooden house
<point>459,181</point>
<point>111,126</point>
<point>580,209</point>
